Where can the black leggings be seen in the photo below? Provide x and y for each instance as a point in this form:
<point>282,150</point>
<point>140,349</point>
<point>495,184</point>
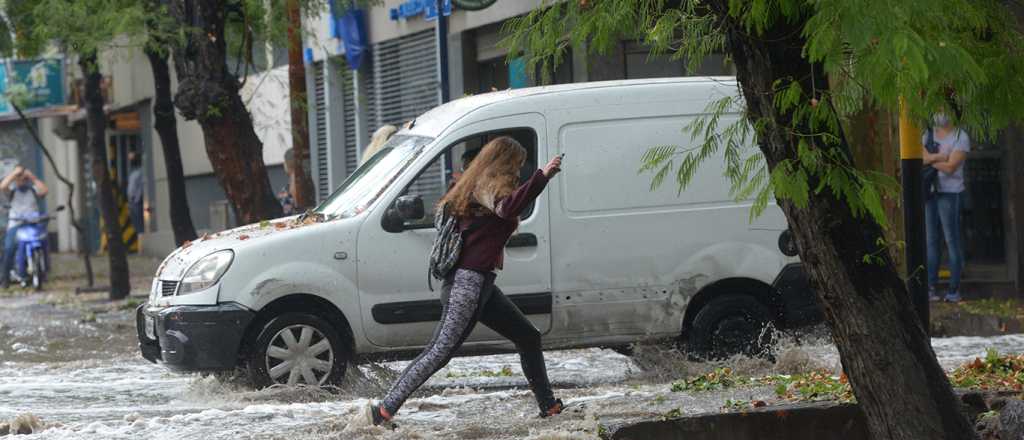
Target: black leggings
<point>468,297</point>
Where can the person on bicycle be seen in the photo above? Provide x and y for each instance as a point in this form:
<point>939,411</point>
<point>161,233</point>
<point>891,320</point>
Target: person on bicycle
<point>23,192</point>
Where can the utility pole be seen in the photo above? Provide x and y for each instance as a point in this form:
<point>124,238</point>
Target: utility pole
<point>300,183</point>
<point>913,214</point>
<point>442,50</point>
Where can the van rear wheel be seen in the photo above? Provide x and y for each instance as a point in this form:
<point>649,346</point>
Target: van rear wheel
<point>731,324</point>
<point>297,349</point>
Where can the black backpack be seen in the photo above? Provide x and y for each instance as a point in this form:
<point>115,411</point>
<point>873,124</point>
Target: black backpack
<point>930,175</point>
<point>447,247</point>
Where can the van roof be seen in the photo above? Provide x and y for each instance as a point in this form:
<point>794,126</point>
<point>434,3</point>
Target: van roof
<point>436,120</point>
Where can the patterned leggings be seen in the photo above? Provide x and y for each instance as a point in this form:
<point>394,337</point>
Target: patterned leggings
<point>468,297</point>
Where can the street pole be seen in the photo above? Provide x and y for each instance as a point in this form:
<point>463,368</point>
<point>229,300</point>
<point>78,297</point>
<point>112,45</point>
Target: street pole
<point>442,50</point>
<point>913,214</point>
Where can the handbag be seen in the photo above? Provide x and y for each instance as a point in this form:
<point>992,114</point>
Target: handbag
<point>930,175</point>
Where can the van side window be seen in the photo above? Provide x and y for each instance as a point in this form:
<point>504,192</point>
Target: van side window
<point>435,180</point>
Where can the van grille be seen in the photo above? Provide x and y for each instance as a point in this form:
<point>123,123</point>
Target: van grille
<point>167,288</point>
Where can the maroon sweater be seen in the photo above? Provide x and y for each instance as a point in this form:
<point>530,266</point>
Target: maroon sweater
<point>484,242</point>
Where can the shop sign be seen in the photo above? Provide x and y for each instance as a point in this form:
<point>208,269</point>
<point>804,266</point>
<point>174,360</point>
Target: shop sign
<point>415,8</point>
<point>473,5</point>
<point>39,82</point>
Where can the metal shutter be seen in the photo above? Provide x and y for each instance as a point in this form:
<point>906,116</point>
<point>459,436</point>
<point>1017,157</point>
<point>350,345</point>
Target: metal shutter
<point>369,97</point>
<point>320,117</point>
<point>348,117</point>
<point>406,84</point>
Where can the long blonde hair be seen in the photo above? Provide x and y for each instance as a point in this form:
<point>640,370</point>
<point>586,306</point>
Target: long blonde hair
<point>493,174</point>
<point>379,138</point>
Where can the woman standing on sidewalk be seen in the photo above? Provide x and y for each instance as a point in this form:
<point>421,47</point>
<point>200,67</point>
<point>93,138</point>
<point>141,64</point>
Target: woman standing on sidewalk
<point>488,204</point>
<point>942,210</point>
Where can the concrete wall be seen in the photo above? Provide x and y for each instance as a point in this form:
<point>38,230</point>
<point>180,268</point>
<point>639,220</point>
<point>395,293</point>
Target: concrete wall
<point>65,157</point>
<point>814,421</point>
<point>204,191</point>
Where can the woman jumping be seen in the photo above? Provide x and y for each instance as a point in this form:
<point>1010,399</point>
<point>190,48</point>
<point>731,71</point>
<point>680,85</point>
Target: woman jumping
<point>487,203</point>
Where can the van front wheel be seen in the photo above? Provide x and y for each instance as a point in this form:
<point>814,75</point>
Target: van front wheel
<point>731,324</point>
<point>297,348</point>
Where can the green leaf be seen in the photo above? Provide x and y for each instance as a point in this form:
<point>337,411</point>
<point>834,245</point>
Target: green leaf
<point>873,204</point>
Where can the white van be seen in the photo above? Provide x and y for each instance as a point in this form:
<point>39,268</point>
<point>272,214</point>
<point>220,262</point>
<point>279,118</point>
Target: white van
<point>599,260</point>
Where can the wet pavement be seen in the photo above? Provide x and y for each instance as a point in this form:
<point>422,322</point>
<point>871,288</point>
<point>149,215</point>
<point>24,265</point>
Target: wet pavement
<point>77,369</point>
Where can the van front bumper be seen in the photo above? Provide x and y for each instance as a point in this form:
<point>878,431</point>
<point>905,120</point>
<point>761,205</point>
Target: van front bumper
<point>192,338</point>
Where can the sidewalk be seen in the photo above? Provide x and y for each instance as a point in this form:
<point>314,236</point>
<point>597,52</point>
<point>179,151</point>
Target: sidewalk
<point>978,317</point>
<point>68,273</point>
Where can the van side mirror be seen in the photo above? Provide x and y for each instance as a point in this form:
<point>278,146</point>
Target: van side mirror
<point>392,221</point>
<point>405,208</point>
<point>410,207</point>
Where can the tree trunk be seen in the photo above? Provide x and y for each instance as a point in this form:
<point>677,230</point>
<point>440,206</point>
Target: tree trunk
<point>885,352</point>
<point>82,138</point>
<point>301,183</point>
<point>208,93</point>
<point>96,121</point>
<point>166,125</point>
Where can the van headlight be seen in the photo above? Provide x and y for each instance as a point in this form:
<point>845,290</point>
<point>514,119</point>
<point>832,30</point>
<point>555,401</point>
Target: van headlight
<point>206,272</point>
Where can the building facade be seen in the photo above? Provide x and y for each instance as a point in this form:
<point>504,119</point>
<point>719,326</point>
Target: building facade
<point>399,78</point>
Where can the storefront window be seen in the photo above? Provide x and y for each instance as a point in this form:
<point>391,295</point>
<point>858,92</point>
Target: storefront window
<point>632,60</point>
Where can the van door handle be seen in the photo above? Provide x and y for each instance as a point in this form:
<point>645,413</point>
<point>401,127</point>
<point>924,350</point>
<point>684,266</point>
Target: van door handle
<point>522,240</point>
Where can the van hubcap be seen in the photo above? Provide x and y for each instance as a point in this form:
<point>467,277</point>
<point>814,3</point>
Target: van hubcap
<point>299,354</point>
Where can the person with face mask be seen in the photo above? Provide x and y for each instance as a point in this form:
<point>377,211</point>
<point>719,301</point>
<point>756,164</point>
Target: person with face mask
<point>942,208</point>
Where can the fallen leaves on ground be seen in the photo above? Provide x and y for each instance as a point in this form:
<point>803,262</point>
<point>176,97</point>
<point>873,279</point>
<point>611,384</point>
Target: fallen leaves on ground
<point>995,372</point>
<point>720,378</point>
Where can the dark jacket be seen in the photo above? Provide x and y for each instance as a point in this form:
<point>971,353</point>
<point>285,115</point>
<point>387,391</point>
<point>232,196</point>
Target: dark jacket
<point>484,241</point>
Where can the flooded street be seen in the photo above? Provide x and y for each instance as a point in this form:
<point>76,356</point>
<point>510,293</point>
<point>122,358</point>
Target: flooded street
<point>77,369</point>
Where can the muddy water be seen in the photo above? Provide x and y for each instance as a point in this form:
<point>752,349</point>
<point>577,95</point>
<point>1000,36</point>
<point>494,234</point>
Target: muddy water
<point>81,375</point>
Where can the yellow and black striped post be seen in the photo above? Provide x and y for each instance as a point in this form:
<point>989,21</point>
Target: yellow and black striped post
<point>911,154</point>
<point>129,235</point>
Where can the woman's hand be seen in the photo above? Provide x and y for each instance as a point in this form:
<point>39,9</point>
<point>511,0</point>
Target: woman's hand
<point>935,158</point>
<point>553,167</point>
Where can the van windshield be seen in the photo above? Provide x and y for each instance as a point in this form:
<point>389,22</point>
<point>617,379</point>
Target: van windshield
<point>370,180</point>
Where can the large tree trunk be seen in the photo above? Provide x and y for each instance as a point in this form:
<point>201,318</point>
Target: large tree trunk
<point>301,183</point>
<point>96,122</point>
<point>884,350</point>
<point>166,125</point>
<point>208,93</point>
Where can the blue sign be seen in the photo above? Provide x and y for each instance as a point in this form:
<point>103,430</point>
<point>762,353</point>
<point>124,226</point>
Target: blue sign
<point>350,28</point>
<point>42,81</point>
<point>427,8</point>
<point>517,78</point>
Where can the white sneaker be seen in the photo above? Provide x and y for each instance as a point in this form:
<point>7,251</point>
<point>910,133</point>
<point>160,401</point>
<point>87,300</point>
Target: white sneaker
<point>362,418</point>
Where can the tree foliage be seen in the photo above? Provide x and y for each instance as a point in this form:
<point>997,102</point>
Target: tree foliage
<point>80,26</point>
<point>252,25</point>
<point>962,57</point>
